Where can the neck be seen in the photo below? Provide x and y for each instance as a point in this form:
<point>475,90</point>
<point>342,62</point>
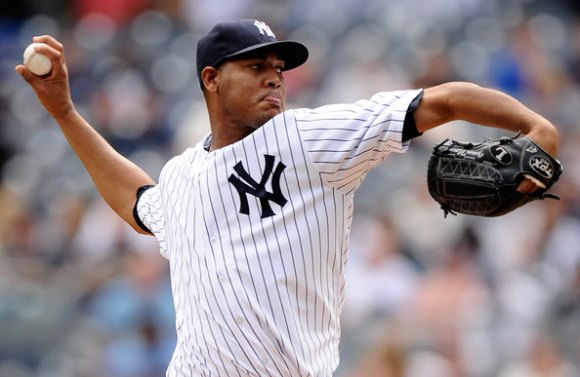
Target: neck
<point>227,129</point>
<point>222,136</point>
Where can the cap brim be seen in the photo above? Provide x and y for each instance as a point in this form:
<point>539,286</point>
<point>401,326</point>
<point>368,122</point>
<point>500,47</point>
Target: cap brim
<point>293,53</point>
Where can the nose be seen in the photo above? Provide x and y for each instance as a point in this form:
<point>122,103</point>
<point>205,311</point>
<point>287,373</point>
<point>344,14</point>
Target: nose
<point>273,78</point>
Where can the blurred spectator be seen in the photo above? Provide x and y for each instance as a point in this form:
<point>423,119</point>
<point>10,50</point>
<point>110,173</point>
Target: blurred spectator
<point>544,359</point>
<point>135,315</point>
<point>380,279</point>
<point>381,275</point>
<point>120,12</point>
<point>450,313</point>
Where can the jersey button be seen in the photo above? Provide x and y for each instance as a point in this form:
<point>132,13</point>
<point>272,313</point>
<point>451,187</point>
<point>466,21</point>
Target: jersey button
<point>239,320</point>
<point>222,278</point>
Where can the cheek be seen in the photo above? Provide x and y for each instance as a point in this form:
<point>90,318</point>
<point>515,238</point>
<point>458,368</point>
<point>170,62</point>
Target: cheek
<point>232,96</point>
<point>236,92</point>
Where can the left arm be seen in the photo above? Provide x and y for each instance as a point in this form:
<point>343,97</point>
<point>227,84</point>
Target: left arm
<point>487,107</point>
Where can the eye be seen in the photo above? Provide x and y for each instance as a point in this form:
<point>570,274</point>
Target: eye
<point>257,66</point>
<point>263,66</point>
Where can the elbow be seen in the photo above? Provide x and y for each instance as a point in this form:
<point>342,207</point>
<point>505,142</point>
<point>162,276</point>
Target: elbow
<point>545,134</point>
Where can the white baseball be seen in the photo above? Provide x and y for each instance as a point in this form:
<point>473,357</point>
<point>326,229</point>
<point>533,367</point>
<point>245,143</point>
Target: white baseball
<point>37,63</point>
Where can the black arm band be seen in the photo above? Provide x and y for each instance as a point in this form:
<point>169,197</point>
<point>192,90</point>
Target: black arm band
<point>410,127</point>
<point>140,192</point>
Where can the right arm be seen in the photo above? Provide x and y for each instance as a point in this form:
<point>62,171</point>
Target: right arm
<point>116,178</point>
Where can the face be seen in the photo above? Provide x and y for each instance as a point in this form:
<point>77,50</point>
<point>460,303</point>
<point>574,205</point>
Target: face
<point>250,90</point>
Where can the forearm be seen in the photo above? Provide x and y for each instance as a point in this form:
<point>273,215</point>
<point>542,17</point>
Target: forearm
<point>115,177</point>
<point>487,107</point>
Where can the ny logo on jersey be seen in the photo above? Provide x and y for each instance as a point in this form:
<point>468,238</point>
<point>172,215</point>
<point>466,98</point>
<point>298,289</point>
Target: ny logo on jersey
<point>263,28</point>
<point>248,185</point>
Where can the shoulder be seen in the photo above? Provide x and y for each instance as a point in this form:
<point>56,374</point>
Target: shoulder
<point>381,101</point>
<point>187,157</point>
<point>394,95</point>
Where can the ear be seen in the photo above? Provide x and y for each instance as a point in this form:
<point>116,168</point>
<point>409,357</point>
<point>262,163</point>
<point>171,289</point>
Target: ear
<point>209,78</point>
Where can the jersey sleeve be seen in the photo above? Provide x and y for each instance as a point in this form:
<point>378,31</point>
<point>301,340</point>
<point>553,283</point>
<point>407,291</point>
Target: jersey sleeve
<point>345,141</point>
<point>149,215</point>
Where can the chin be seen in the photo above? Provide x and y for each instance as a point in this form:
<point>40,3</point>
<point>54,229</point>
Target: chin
<point>267,116</point>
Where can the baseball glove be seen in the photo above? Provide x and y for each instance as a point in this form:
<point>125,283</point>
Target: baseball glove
<point>481,179</point>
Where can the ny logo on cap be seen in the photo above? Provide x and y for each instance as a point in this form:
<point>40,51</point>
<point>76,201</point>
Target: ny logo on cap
<point>264,29</point>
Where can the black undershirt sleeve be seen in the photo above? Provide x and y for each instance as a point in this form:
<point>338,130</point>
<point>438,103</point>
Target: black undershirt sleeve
<point>410,127</point>
<point>140,192</point>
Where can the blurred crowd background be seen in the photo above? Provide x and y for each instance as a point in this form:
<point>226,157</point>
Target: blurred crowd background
<point>82,296</point>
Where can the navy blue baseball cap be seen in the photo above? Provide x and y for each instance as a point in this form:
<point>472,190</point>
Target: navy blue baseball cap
<point>230,39</point>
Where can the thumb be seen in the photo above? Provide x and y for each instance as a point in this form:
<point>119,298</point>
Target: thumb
<point>28,76</point>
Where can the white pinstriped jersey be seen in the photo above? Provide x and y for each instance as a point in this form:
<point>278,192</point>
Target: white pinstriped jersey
<point>256,234</point>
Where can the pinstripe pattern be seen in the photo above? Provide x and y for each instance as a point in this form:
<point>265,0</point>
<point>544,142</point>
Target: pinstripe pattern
<point>262,296</point>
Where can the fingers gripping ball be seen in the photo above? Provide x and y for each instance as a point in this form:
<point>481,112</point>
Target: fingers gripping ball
<point>36,63</point>
<point>482,178</point>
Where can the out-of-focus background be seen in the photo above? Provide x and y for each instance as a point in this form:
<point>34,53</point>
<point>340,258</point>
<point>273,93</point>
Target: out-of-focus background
<point>82,296</point>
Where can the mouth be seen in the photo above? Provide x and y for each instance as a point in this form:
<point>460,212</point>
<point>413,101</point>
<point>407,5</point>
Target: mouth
<point>273,99</point>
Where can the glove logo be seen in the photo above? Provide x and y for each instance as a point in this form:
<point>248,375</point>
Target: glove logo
<point>466,153</point>
<point>501,154</point>
<point>532,149</point>
<point>542,166</point>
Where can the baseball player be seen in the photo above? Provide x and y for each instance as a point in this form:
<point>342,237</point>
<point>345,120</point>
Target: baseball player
<point>255,219</point>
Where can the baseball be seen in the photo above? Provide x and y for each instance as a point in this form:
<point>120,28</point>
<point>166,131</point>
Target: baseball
<point>37,63</point>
